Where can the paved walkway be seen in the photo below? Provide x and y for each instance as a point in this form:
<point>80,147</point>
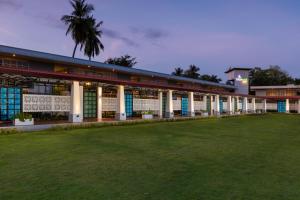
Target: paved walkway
<point>40,127</point>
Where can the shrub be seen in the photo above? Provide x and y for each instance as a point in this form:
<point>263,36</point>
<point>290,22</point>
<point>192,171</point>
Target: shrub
<point>23,116</point>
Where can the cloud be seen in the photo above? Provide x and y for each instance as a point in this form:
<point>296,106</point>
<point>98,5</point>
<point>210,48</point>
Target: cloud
<point>10,4</point>
<point>52,20</point>
<point>150,33</point>
<point>116,35</point>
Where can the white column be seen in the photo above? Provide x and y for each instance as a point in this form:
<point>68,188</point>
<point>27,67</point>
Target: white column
<point>238,104</point>
<point>211,99</point>
<point>169,108</point>
<point>299,106</point>
<point>81,101</point>
<point>76,103</point>
<point>217,104</point>
<point>245,104</point>
<point>160,100</point>
<point>229,105</point>
<point>120,114</point>
<point>265,105</point>
<point>233,105</point>
<point>253,105</point>
<point>287,106</point>
<point>99,103</point>
<point>191,110</point>
<point>205,103</point>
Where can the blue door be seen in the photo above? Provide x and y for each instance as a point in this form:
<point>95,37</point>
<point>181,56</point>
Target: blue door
<point>128,104</point>
<point>281,106</point>
<point>184,106</point>
<point>10,101</point>
<point>221,105</point>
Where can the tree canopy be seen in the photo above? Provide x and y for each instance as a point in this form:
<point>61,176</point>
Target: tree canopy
<point>83,28</point>
<point>178,71</point>
<point>273,75</point>
<point>212,78</point>
<point>194,72</point>
<point>125,61</point>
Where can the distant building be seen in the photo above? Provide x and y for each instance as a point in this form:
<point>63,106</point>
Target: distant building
<point>277,91</point>
<point>239,77</point>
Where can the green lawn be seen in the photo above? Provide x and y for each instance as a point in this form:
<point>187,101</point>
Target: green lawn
<point>253,157</point>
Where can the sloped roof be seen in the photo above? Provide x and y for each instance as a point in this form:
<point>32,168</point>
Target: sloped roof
<point>76,61</point>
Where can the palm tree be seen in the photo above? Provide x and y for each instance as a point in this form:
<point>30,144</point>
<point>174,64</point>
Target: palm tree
<point>92,44</point>
<point>192,72</point>
<point>178,71</point>
<point>77,21</point>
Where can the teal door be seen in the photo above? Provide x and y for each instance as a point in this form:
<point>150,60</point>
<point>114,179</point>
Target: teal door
<point>89,104</point>
<point>10,102</point>
<point>128,103</point>
<point>208,105</point>
<point>221,105</point>
<point>184,106</point>
<point>281,106</point>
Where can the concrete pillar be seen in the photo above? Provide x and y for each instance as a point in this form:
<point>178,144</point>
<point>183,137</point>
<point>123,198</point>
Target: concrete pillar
<point>99,103</point>
<point>217,104</point>
<point>253,105</point>
<point>211,99</point>
<point>287,106</point>
<point>191,109</point>
<point>121,114</point>
<point>238,104</point>
<point>245,105</point>
<point>160,100</point>
<point>205,103</point>
<point>299,106</point>
<point>229,105</point>
<point>81,101</point>
<point>169,108</point>
<point>76,103</point>
<point>265,105</point>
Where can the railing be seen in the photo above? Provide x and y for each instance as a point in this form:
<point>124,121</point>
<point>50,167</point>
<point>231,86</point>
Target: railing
<point>14,63</point>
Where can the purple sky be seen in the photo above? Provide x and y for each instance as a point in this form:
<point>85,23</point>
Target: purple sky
<point>164,34</point>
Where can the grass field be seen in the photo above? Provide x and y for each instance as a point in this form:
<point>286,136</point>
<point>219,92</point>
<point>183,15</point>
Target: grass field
<point>253,157</point>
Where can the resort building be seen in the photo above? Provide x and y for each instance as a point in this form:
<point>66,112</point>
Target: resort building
<point>281,98</point>
<point>59,88</point>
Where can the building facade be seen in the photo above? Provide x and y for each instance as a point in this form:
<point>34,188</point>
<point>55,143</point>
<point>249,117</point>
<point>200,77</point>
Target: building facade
<point>53,87</point>
<point>282,98</point>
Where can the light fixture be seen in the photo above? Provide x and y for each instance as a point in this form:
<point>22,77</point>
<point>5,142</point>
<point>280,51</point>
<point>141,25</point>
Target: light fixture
<point>89,66</point>
<point>88,83</point>
<point>14,55</point>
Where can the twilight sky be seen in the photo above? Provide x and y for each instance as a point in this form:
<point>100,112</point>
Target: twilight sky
<point>164,34</point>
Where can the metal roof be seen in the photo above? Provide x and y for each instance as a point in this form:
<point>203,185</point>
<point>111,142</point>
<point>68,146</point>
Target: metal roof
<point>275,87</point>
<point>77,61</point>
<point>237,68</point>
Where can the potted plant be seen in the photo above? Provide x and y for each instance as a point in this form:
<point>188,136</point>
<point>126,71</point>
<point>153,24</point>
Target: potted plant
<point>23,119</point>
<point>147,114</point>
<point>204,113</point>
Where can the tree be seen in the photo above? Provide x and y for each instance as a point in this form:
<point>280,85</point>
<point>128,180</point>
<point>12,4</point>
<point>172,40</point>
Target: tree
<point>297,81</point>
<point>274,75</point>
<point>125,61</point>
<point>192,72</point>
<point>78,21</point>
<point>92,44</point>
<point>178,71</point>
<point>211,78</point>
